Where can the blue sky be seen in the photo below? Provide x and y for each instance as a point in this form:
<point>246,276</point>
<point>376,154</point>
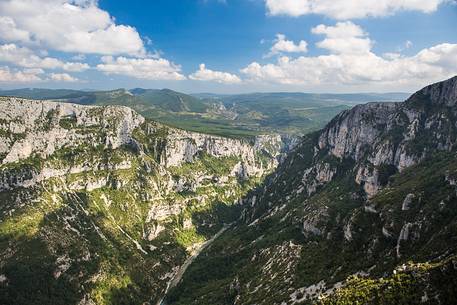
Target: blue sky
<point>245,45</point>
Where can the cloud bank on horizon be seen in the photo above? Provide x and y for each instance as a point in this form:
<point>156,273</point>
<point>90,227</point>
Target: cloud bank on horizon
<point>349,9</point>
<point>51,41</point>
<point>351,60</point>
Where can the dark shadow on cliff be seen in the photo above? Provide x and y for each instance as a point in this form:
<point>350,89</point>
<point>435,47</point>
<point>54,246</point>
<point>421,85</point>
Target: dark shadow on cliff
<point>32,277</point>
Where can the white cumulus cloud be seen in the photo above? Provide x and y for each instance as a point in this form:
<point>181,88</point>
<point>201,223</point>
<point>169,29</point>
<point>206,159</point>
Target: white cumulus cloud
<point>10,32</point>
<point>141,68</point>
<point>63,77</point>
<point>20,76</point>
<point>77,27</point>
<point>67,25</point>
<point>282,45</point>
<point>352,62</point>
<point>204,74</point>
<point>24,57</point>
<point>349,9</point>
<point>345,37</point>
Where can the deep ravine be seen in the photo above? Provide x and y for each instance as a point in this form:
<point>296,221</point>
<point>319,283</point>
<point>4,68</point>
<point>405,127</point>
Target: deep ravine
<point>182,270</point>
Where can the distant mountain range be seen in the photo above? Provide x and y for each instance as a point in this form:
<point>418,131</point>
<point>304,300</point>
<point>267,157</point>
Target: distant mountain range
<point>298,96</point>
<point>238,115</point>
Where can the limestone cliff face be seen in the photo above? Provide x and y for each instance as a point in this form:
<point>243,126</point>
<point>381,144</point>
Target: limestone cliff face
<point>183,146</point>
<point>391,134</point>
<point>44,127</point>
<point>40,128</point>
<point>443,93</point>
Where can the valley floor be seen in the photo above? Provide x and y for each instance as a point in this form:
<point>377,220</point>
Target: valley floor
<point>195,253</point>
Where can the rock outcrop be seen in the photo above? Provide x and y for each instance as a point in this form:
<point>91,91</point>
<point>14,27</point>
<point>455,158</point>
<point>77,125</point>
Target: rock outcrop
<point>381,137</point>
<point>42,127</point>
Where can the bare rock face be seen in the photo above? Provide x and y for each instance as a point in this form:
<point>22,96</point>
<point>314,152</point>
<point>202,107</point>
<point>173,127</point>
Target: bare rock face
<point>351,131</point>
<point>272,144</point>
<point>43,127</point>
<point>380,135</point>
<point>407,202</point>
<point>317,175</point>
<point>40,128</point>
<point>443,93</point>
<point>404,236</point>
<point>183,146</point>
<point>368,177</point>
<point>311,224</point>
